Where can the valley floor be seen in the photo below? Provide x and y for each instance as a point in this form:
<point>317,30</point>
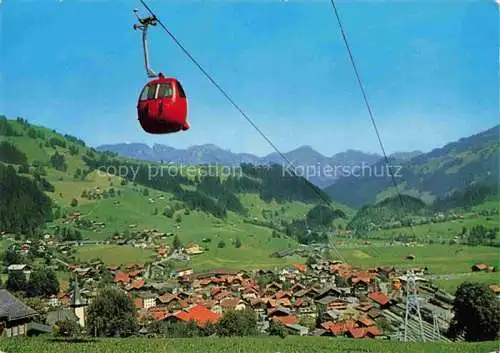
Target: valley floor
<point>290,344</point>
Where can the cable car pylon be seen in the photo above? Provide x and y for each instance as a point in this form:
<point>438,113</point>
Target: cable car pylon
<point>412,310</point>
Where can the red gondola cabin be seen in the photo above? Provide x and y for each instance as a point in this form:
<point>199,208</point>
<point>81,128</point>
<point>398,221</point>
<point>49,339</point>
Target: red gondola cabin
<point>162,106</point>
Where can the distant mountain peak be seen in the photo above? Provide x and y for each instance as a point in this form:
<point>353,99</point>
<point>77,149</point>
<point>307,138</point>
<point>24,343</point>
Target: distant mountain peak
<point>306,151</point>
<point>305,147</point>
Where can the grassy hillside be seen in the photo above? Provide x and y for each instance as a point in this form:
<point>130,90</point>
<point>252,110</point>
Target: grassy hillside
<point>478,201</point>
<point>242,345</point>
<point>390,211</point>
<point>435,174</point>
<point>436,232</point>
<point>117,195</point>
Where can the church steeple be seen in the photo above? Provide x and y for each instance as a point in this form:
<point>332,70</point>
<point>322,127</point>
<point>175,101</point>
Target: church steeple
<point>76,299</point>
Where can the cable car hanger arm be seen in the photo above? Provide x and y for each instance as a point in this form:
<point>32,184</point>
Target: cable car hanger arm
<point>143,26</point>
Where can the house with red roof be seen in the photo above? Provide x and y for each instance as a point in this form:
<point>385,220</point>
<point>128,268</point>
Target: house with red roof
<point>365,322</point>
<point>281,294</point>
<point>177,316</point>
<point>198,314</point>
<point>340,328</point>
<point>285,320</point>
<point>337,329</point>
<point>380,299</point>
<point>157,314</point>
<point>130,266</point>
<point>215,290</point>
<point>356,332</point>
<point>300,267</point>
<point>249,292</point>
<point>361,282</point>
<point>136,284</point>
<point>206,282</point>
<point>134,273</point>
<point>326,325</point>
<point>121,277</point>
<point>223,295</point>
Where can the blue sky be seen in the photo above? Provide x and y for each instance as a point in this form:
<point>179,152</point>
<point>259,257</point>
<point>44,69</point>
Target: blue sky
<point>429,68</point>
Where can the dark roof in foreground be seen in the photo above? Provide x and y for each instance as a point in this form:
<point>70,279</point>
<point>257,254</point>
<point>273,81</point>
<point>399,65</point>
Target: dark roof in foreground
<point>13,308</point>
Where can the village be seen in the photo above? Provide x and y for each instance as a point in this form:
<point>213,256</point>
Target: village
<point>320,298</point>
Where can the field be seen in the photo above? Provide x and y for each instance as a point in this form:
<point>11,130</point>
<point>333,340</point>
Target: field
<point>256,247</point>
<point>240,345</point>
<point>448,265</point>
<point>257,242</point>
<point>439,259</point>
<point>114,254</point>
<point>438,231</point>
<point>450,284</point>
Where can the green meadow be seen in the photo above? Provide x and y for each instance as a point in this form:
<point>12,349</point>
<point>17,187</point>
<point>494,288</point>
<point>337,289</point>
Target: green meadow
<point>289,344</point>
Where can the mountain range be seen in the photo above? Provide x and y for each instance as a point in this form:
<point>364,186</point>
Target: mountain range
<point>319,169</point>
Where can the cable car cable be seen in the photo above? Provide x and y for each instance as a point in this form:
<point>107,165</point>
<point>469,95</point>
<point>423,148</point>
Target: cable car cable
<point>367,104</point>
<point>233,103</point>
<point>226,95</point>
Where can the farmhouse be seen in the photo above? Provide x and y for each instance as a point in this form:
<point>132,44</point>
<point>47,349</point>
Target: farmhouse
<point>483,268</point>
<point>193,249</point>
<point>184,272</point>
<point>14,315</point>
